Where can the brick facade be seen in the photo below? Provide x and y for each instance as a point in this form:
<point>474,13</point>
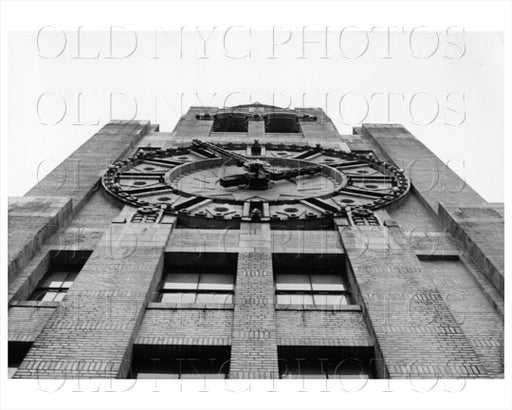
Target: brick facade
<point>426,285</point>
<point>254,341</point>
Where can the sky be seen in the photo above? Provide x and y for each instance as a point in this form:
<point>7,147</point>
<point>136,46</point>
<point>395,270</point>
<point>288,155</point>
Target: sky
<point>446,87</point>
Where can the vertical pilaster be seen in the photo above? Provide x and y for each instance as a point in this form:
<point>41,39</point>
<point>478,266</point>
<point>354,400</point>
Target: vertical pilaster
<point>433,180</point>
<point>481,230</point>
<point>78,175</point>
<point>254,340</point>
<point>256,130</point>
<point>460,209</point>
<point>319,130</point>
<point>193,125</point>
<point>91,333</point>
<point>415,333</point>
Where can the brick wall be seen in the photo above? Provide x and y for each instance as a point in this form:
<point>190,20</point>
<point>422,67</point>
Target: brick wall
<point>304,242</point>
<point>477,317</point>
<point>481,232</point>
<point>446,195</point>
<point>322,328</point>
<point>91,333</point>
<point>412,309</point>
<point>226,241</point>
<point>188,127</point>
<point>412,215</point>
<point>31,222</point>
<point>186,326</point>
<point>89,225</point>
<point>254,340</point>
<point>415,332</point>
<point>320,130</point>
<point>433,180</point>
<point>204,240</point>
<point>50,204</point>
<point>26,322</point>
<point>78,175</point>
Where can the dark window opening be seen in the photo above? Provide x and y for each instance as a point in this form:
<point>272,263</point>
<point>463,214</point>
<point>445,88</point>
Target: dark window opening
<point>230,122</point>
<point>313,280</point>
<point>180,362</point>
<point>282,123</point>
<point>190,222</point>
<point>311,362</point>
<point>63,269</point>
<point>16,353</point>
<point>193,278</point>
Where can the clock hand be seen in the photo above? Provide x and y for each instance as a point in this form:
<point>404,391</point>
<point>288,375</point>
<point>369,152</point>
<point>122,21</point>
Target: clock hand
<point>259,180</point>
<point>261,176</point>
<point>256,177</point>
<point>241,159</point>
<point>292,173</point>
<point>235,180</point>
<point>260,171</point>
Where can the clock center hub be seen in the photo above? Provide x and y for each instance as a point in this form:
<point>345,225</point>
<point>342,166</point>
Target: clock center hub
<point>267,178</point>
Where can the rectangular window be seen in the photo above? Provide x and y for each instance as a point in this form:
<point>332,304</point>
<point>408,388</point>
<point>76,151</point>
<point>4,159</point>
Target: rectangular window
<point>63,269</point>
<point>311,362</point>
<point>184,288</point>
<point>310,280</point>
<point>311,289</point>
<point>191,278</point>
<point>54,286</point>
<point>180,362</point>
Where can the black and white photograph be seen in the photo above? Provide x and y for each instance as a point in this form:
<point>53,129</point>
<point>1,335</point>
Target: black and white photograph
<point>227,205</point>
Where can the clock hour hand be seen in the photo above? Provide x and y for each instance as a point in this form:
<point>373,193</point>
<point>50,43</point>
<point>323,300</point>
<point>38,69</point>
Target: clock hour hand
<point>292,173</point>
<point>235,180</point>
<point>240,159</point>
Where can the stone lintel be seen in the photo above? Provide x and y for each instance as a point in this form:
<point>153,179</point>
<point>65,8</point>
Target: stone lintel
<point>481,231</point>
<point>32,220</point>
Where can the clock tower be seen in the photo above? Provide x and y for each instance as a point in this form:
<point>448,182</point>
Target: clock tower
<point>254,242</point>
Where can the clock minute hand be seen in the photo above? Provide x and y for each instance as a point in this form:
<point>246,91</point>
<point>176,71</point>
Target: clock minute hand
<point>292,173</point>
<point>241,159</point>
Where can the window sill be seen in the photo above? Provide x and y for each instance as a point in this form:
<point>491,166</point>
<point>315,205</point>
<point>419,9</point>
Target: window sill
<point>344,308</point>
<point>33,303</point>
<point>191,306</point>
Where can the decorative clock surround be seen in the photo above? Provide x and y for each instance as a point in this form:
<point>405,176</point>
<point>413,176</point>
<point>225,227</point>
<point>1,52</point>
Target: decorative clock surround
<point>277,183</point>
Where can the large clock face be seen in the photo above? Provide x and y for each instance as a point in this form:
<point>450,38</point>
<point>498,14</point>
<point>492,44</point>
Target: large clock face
<point>207,183</point>
<point>253,182</point>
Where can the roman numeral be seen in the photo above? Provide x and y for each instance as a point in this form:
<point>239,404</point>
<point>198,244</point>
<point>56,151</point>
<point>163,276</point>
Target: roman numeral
<point>370,178</point>
<point>203,152</point>
<point>308,154</point>
<point>363,192</point>
<point>191,203</point>
<point>141,175</point>
<point>163,162</point>
<point>148,190</point>
<point>320,205</point>
<point>350,165</point>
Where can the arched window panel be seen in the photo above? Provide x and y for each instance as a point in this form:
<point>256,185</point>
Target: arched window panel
<point>230,122</point>
<point>282,123</point>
